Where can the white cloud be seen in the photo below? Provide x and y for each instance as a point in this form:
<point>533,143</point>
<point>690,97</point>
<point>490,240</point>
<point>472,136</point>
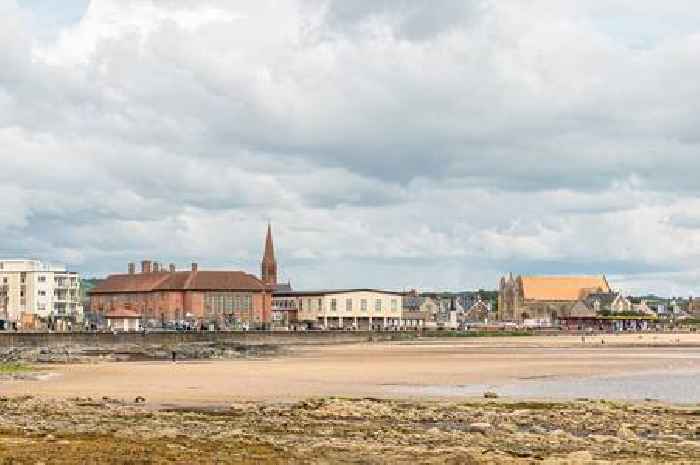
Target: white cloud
<point>386,142</point>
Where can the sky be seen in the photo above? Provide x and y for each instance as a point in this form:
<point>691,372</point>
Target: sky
<point>391,143</point>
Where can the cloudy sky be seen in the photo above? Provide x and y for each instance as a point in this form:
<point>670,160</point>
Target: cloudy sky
<point>392,143</point>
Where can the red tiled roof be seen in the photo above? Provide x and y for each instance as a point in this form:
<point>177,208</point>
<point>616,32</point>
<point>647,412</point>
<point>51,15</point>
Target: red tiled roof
<point>123,313</point>
<point>179,281</point>
<point>141,282</point>
<point>224,280</point>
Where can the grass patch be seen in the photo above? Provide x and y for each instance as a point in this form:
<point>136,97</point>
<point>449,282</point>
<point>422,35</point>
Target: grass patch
<point>476,333</point>
<point>8,368</point>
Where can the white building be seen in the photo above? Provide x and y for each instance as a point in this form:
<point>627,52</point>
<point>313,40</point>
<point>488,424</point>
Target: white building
<point>346,308</point>
<point>30,288</point>
<point>123,320</point>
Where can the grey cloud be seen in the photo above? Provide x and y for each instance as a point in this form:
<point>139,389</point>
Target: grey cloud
<point>411,19</point>
<point>686,220</point>
<point>420,144</point>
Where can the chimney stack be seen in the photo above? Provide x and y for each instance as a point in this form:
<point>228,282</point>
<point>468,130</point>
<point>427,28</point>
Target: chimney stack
<point>132,268</point>
<point>156,267</point>
<point>194,267</point>
<point>146,266</point>
<point>172,268</point>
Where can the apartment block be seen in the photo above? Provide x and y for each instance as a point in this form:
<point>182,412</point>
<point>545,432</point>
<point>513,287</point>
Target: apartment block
<point>30,288</point>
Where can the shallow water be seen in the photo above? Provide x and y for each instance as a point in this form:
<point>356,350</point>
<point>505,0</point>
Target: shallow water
<point>680,387</point>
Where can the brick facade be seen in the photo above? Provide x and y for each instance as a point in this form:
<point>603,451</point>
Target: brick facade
<point>173,296</point>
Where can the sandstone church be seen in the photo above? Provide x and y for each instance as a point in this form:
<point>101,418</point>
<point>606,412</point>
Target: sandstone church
<point>545,298</point>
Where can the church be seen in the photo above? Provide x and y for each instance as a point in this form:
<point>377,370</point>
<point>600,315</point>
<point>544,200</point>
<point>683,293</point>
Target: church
<point>545,299</point>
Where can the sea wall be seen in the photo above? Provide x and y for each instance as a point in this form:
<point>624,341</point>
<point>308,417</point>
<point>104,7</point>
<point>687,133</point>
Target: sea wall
<point>168,338</point>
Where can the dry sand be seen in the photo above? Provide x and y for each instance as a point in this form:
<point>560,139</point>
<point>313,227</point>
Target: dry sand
<point>368,369</point>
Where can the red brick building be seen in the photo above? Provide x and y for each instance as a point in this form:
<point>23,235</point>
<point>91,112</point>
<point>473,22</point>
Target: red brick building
<point>228,298</point>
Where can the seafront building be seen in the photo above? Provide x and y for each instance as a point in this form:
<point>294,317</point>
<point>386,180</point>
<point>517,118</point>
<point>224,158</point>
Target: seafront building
<point>605,303</point>
<point>362,309</point>
<point>34,294</point>
<point>694,307</point>
<point>166,297</point>
<point>542,300</point>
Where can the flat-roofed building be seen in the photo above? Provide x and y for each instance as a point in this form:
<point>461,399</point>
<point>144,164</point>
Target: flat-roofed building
<point>42,292</point>
<point>347,308</point>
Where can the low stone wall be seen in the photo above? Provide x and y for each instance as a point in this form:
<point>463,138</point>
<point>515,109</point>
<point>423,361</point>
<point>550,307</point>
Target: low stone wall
<point>168,338</point>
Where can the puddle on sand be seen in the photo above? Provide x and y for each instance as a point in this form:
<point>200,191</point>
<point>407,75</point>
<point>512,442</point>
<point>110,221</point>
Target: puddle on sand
<point>670,387</point>
<point>29,376</point>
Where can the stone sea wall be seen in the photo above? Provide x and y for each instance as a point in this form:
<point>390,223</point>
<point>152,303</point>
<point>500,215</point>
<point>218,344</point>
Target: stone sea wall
<point>170,338</point>
<point>84,347</point>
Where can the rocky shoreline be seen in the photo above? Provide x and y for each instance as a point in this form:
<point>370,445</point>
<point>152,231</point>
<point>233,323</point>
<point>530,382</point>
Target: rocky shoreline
<point>337,430</point>
<point>135,352</point>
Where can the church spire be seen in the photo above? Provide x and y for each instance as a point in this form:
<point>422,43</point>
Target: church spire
<point>268,268</point>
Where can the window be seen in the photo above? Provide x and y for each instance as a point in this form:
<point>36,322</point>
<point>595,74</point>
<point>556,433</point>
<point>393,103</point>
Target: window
<point>42,293</point>
<point>227,302</point>
<point>42,279</point>
<point>334,305</point>
<point>378,305</point>
<point>348,305</point>
<point>394,305</point>
<point>363,305</point>
<point>320,305</point>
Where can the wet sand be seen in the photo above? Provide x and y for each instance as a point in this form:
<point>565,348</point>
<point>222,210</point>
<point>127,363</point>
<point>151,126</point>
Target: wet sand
<point>372,370</point>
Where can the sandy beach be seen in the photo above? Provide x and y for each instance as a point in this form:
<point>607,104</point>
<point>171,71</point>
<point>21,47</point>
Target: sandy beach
<point>383,370</point>
<point>402,402</point>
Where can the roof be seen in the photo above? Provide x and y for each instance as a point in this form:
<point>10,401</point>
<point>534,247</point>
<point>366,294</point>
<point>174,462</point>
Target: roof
<point>335,291</point>
<point>179,281</point>
<point>411,300</point>
<point>605,299</point>
<point>283,287</point>
<point>562,287</point>
<point>142,282</point>
<point>123,313</point>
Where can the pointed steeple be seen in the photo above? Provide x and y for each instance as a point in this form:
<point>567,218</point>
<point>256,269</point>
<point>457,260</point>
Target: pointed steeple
<point>269,248</point>
<point>268,268</point>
